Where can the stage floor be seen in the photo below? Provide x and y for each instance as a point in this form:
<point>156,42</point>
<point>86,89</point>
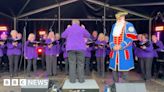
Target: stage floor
<point>155,85</point>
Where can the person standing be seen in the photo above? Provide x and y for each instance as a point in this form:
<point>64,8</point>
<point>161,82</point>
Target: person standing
<point>43,60</point>
<point>137,50</point>
<point>158,46</point>
<point>30,53</point>
<point>88,56</point>
<point>65,56</point>
<point>3,38</point>
<point>14,51</point>
<point>93,37</point>
<point>59,55</point>
<point>75,46</point>
<point>51,52</point>
<point>147,57</point>
<point>100,54</point>
<point>107,47</point>
<point>121,37</point>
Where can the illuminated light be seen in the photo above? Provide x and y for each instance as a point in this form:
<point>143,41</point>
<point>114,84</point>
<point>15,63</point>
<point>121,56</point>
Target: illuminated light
<point>159,28</point>
<point>158,35</point>
<point>42,32</point>
<point>3,28</point>
<point>4,33</point>
<point>39,50</point>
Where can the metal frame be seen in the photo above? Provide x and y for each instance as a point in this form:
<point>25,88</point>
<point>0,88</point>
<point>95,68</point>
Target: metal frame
<point>59,19</point>
<point>150,28</point>
<point>24,6</point>
<point>118,8</point>
<point>15,23</point>
<point>69,19</point>
<point>141,4</point>
<point>104,21</point>
<point>3,14</point>
<point>47,8</point>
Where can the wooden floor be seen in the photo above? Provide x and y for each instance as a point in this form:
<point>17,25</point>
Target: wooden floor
<point>155,85</point>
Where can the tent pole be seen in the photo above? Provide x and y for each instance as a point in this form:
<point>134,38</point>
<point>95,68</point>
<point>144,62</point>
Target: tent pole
<point>59,17</point>
<point>150,28</point>
<point>15,23</point>
<point>104,20</point>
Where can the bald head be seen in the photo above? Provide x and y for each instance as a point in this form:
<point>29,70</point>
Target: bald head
<point>75,21</point>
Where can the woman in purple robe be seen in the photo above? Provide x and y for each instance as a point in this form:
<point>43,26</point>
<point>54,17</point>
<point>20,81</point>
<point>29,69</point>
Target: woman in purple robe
<point>30,53</point>
<point>100,54</point>
<point>14,52</point>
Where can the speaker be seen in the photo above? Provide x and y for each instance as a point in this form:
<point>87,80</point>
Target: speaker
<point>128,87</point>
<point>88,86</point>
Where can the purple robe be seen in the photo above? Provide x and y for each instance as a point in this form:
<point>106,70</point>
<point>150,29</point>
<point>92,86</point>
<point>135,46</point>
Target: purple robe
<point>159,46</point>
<point>148,52</point>
<point>100,51</point>
<point>54,50</point>
<point>88,52</point>
<point>30,52</point>
<point>74,36</point>
<point>93,38</point>
<point>14,50</point>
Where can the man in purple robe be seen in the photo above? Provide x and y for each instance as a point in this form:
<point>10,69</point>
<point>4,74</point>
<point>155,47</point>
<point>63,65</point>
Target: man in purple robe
<point>75,46</point>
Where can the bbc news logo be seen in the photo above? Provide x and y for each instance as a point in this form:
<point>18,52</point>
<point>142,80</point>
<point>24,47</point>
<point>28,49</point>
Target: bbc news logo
<point>25,82</point>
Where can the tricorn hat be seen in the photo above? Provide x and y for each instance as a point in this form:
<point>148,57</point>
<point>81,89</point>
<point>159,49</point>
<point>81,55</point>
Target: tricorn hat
<point>119,14</point>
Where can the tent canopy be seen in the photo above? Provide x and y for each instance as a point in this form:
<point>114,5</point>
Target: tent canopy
<point>77,8</point>
<point>99,14</point>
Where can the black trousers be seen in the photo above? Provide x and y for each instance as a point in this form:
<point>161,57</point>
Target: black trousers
<point>43,60</point>
<point>146,66</point>
<point>87,65</point>
<point>93,61</point>
<point>51,64</point>
<point>107,63</point>
<point>13,64</point>
<point>66,65</point>
<point>118,74</point>
<point>155,67</point>
<point>101,66</point>
<point>76,66</point>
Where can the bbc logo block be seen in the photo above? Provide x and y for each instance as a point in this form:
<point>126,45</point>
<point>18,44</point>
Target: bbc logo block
<point>25,82</point>
<point>6,82</point>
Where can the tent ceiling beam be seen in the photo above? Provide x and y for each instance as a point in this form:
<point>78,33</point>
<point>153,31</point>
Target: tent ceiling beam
<point>118,8</point>
<point>141,4</point>
<point>3,14</point>
<point>69,19</point>
<point>47,8</point>
<point>24,6</point>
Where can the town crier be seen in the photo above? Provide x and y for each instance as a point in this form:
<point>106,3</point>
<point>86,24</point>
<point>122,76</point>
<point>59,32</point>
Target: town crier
<point>121,37</point>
